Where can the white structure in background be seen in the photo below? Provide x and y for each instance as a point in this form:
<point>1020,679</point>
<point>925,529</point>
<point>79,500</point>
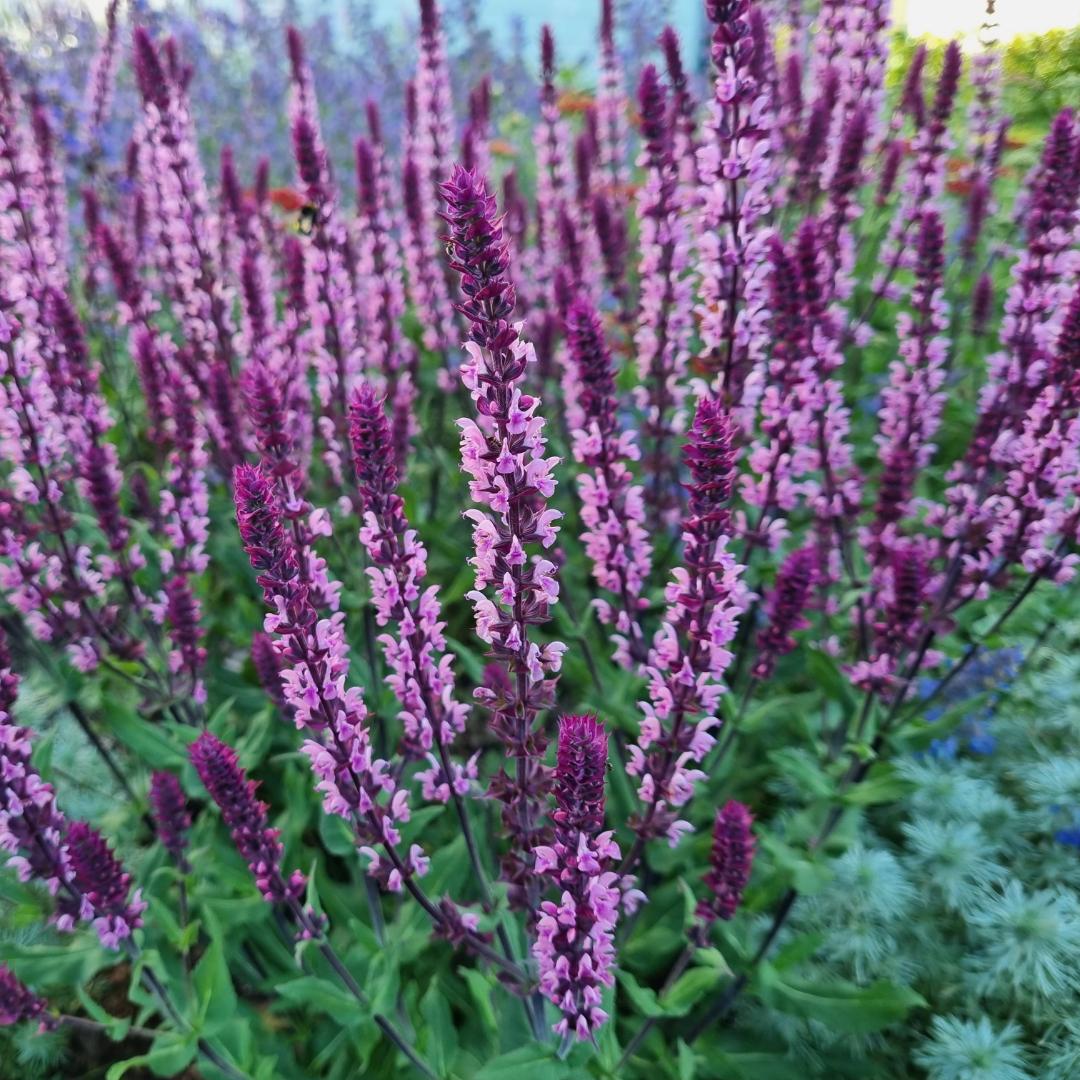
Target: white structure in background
<point>961,18</point>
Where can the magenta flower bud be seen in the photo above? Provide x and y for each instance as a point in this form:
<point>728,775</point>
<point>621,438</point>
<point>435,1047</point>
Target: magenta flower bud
<point>977,209</point>
<point>374,121</point>
<point>267,666</point>
<point>847,171</point>
<point>794,582</point>
<point>653,108</point>
<point>515,211</point>
<point>376,473</point>
<point>294,45</point>
<point>911,95</point>
<point>611,236</point>
<point>271,553</point>
<point>104,887</point>
<point>261,187</point>
<point>183,613</point>
<point>245,817</point>
<point>669,46</point>
<point>709,454</point>
<point>168,807</point>
<point>814,146</point>
<point>232,195</point>
<point>18,1002</point>
<point>547,54</point>
<point>730,863</point>
<point>890,170</point>
<point>902,601</point>
<point>948,83</point>
<point>479,254</point>
<point>149,74</point>
<point>580,774</point>
<point>584,152</point>
<point>421,670</point>
<point>684,113</point>
<point>99,468</point>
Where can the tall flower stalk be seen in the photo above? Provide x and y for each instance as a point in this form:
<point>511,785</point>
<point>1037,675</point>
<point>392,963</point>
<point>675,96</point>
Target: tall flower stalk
<point>690,652</point>
<point>736,177</point>
<point>574,947</point>
<point>502,451</point>
<point>612,503</point>
<point>664,324</point>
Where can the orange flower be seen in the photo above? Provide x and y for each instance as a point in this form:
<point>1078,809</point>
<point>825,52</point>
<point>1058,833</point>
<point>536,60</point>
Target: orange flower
<point>574,101</point>
<point>287,199</point>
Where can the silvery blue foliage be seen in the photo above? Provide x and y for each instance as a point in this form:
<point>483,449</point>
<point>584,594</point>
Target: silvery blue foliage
<point>964,1050</point>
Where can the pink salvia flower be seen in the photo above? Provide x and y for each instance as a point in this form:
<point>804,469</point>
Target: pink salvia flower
<point>1036,299</point>
<point>53,192</point>
<point>612,504</point>
<point>683,115</point>
<point>422,674</point>
<point>665,318</point>
<point>575,947</point>
<point>336,330</point>
<point>426,284</point>
<point>434,110</point>
<point>554,177</point>
<point>730,862</point>
<point>511,480</point>
<point>785,609</point>
<point>390,356</point>
<point>736,177</point>
<point>100,82</point>
<point>690,650</point>
<point>185,247</point>
<point>314,659</point>
<point>912,402</point>
<point>924,182</point>
<point>612,106</point>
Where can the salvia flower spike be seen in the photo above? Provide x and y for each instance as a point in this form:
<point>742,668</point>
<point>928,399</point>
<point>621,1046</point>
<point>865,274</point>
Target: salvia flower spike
<point>574,945</point>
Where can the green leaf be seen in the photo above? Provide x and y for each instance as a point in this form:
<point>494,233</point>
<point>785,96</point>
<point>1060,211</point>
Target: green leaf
<point>691,987</point>
<point>121,1067</point>
<point>534,1062</point>
<point>214,989</point>
<point>687,1062</point>
<point>151,743</point>
<point>172,1053</point>
<point>795,952</point>
<point>337,835</point>
<point>641,997</point>
<point>842,1006</point>
<point>882,785</point>
<point>441,1042</point>
<point>116,1026</point>
<point>800,769</point>
<point>325,996</point>
<point>481,988</point>
<point>826,674</point>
